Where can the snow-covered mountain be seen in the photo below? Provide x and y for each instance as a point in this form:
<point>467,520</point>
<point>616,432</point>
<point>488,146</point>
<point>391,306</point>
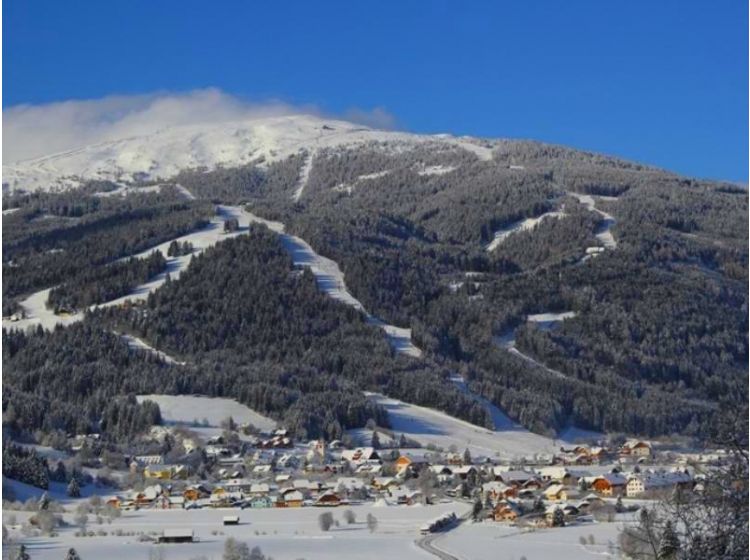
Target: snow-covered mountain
<point>164,153</point>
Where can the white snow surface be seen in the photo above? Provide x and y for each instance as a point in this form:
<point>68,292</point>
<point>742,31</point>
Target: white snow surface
<point>185,409</point>
<point>304,175</point>
<point>140,345</point>
<point>521,225</point>
<point>429,426</point>
<point>604,235</point>
<point>283,533</point>
<point>163,154</point>
<point>498,541</point>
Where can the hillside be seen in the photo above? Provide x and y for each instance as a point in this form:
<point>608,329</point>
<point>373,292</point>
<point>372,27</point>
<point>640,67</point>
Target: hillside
<point>460,252</point>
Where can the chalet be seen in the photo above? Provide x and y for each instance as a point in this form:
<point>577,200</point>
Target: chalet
<point>192,494</point>
<point>147,497</point>
<point>514,478</point>
<point>562,475</point>
<point>610,484</point>
<point>328,498</point>
<point>555,493</point>
<point>465,471</point>
<point>648,482</point>
<point>293,498</point>
<point>411,462</point>
<point>498,491</point>
<point>384,483</point>
<point>166,472</point>
<point>261,470</point>
<point>360,455</point>
<point>506,511</point>
<point>259,489</point>
<point>114,502</point>
<point>636,448</point>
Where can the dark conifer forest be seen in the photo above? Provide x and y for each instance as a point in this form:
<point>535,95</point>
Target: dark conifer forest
<point>656,336</point>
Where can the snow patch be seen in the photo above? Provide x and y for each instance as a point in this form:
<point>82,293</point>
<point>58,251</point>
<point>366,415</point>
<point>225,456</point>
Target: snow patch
<point>521,225</point>
<point>430,426</point>
<point>186,409</point>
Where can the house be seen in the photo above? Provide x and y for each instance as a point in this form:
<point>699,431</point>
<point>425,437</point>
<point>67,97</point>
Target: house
<point>650,481</point>
<point>261,502</point>
<point>562,475</point>
<point>293,498</point>
<point>498,491</point>
<point>166,472</point>
<point>515,478</point>
<point>360,455</point>
<point>238,485</point>
<point>114,502</point>
<point>610,484</point>
<point>506,511</point>
<point>328,498</point>
<point>411,462</point>
<point>636,448</point>
<point>384,483</point>
<point>465,471</point>
<point>194,493</point>
<point>555,493</point>
<point>259,489</point>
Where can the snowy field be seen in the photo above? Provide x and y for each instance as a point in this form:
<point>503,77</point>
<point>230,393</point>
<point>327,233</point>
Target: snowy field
<point>285,534</point>
<point>185,409</point>
<point>429,426</point>
<point>495,541</point>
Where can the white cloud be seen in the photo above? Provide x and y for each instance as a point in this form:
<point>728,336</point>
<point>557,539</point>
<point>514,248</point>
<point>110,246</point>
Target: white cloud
<point>31,131</point>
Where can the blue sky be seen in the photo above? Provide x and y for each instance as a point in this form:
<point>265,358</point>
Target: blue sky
<point>659,82</point>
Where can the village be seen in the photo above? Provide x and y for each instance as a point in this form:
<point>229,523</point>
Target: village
<point>580,483</point>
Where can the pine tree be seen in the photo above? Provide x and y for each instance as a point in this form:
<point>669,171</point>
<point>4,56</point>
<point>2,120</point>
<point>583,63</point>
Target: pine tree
<point>558,518</point>
<point>375,443</point>
<point>72,555</point>
<point>44,502</point>
<point>74,490</point>
<point>669,545</point>
<point>467,457</point>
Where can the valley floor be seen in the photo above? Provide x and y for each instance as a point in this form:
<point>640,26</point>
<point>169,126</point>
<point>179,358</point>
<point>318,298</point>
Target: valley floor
<point>293,533</point>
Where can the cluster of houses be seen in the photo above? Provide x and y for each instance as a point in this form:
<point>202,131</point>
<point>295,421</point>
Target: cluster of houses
<point>276,472</point>
<point>537,494</point>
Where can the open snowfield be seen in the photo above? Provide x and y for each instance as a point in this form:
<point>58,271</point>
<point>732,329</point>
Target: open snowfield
<point>163,154</point>
<point>429,426</point>
<point>186,409</point>
<point>496,541</point>
<point>284,533</point>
